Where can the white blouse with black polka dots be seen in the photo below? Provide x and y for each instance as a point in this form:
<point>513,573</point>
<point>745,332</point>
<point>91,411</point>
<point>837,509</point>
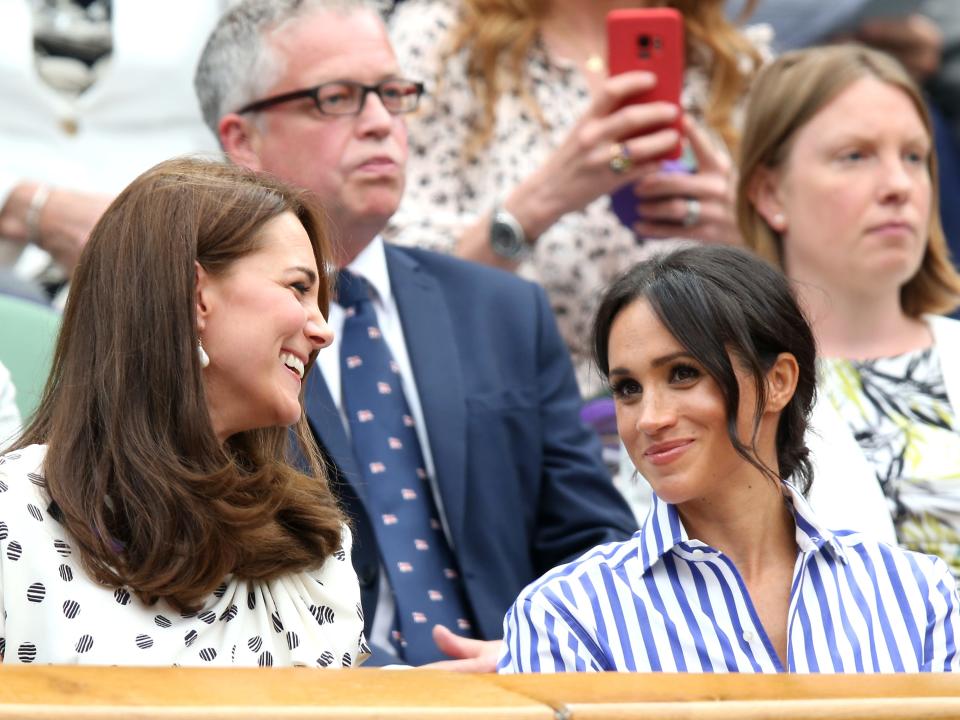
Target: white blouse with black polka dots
<point>54,612</point>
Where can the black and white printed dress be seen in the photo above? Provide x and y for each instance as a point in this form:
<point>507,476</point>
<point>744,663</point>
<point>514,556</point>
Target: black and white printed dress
<point>54,612</point>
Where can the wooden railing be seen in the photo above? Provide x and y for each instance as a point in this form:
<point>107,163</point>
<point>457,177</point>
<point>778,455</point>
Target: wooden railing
<point>210,694</point>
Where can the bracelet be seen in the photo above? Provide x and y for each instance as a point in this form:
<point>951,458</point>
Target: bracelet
<point>37,203</point>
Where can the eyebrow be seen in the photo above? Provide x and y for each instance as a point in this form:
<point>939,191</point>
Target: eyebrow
<point>311,275</point>
<point>657,362</point>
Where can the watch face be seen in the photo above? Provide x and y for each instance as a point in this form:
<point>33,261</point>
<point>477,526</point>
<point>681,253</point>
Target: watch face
<point>504,241</point>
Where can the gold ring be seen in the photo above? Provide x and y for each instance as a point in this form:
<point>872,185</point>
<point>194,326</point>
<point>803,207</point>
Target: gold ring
<point>620,160</point>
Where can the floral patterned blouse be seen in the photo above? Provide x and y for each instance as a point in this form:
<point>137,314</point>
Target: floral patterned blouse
<point>584,251</point>
<point>898,410</point>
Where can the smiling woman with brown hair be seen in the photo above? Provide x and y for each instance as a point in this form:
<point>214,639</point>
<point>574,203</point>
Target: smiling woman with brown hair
<point>150,513</point>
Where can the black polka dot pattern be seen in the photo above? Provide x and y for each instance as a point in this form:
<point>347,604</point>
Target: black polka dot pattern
<point>71,608</point>
<point>27,652</point>
<point>56,613</point>
<point>14,551</point>
<point>36,593</point>
<point>325,659</point>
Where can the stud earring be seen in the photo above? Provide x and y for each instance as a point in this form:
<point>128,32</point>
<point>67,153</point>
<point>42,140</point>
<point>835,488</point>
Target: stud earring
<point>204,358</point>
<point>779,221</point>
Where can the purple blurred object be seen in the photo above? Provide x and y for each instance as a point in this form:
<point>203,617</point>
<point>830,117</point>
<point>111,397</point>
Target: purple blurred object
<point>624,202</point>
<point>601,415</point>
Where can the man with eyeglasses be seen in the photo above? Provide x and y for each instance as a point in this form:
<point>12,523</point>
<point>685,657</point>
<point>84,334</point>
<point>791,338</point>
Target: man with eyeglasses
<point>503,481</point>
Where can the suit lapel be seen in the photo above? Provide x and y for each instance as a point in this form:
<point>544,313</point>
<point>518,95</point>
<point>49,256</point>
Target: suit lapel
<point>328,428</point>
<point>429,332</point>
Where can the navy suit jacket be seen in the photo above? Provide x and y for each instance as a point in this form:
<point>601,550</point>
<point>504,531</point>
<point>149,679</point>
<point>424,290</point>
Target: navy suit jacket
<point>522,483</point>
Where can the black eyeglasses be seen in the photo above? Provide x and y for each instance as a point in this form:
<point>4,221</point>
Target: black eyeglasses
<point>344,97</point>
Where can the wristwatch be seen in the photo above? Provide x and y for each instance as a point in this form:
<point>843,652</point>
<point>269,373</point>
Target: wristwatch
<point>507,238</point>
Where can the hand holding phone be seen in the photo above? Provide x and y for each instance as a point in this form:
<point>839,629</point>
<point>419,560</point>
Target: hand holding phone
<point>650,39</point>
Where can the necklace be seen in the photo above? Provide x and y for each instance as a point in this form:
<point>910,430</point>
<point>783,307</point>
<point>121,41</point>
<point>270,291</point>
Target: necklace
<point>595,64</point>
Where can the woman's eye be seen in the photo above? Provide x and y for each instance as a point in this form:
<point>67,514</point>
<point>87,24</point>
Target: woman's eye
<point>626,389</point>
<point>301,288</point>
<point>916,158</point>
<point>684,373</point>
<point>852,156</point>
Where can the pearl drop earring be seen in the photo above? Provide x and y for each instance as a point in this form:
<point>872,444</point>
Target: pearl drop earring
<point>204,358</point>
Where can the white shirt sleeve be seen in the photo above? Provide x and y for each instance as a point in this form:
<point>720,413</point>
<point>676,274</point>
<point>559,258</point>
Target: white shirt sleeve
<point>9,414</point>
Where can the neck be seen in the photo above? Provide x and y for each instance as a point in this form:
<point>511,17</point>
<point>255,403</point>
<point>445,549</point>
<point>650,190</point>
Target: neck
<point>751,525</point>
<point>583,15</point>
<point>350,239</point>
<point>860,326</point>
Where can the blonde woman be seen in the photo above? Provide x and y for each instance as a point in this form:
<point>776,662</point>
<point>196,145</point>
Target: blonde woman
<point>838,186</point>
<point>520,138</point>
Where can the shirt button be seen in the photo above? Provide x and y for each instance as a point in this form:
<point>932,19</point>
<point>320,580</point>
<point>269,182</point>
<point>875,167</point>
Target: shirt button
<point>69,126</point>
<point>747,636</point>
<point>698,553</point>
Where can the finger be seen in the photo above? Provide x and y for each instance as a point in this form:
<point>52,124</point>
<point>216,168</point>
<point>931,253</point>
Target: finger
<point>617,89</point>
<point>709,157</point>
<point>674,210</point>
<point>669,184</point>
<point>647,148</point>
<point>703,231</point>
<point>628,122</point>
<point>455,645</point>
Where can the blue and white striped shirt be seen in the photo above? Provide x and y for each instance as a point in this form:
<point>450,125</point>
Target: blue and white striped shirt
<point>664,602</point>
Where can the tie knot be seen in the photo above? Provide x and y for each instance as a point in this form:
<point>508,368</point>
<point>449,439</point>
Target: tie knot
<point>351,289</point>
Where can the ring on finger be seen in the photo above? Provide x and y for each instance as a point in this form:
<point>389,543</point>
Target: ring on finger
<point>692,215</point>
<point>620,160</point>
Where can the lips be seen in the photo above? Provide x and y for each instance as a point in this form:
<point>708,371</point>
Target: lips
<point>378,163</point>
<point>666,452</point>
<point>892,226</point>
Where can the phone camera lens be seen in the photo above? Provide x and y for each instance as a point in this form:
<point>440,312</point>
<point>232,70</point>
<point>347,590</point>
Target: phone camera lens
<point>644,41</point>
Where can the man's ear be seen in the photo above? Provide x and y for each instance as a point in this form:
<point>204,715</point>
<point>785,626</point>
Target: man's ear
<point>764,193</point>
<point>240,140</point>
<point>782,378</point>
<point>203,297</point>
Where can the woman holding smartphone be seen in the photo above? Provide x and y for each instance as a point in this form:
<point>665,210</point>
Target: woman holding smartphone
<point>523,138</point>
<point>712,366</point>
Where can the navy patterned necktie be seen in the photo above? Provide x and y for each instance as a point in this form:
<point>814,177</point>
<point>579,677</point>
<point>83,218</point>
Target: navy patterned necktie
<point>419,562</point>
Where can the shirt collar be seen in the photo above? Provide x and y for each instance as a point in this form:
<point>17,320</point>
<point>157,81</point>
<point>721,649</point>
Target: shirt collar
<point>371,265</point>
<point>663,530</point>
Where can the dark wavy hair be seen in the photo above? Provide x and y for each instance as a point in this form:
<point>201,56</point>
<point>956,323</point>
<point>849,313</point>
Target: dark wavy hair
<point>722,303</point>
<point>151,499</point>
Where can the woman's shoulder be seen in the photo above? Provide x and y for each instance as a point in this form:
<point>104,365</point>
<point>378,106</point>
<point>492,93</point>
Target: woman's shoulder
<point>22,469</point>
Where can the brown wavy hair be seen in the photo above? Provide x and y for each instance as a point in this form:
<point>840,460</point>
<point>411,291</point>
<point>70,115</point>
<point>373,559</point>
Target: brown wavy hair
<point>786,95</point>
<point>497,36</point>
<point>151,499</point>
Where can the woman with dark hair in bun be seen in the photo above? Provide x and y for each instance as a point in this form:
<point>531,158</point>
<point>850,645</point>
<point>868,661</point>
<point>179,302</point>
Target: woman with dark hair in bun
<point>711,364</point>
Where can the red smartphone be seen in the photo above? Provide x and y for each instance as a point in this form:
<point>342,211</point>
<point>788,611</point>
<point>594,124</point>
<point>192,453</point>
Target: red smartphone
<point>650,39</point>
